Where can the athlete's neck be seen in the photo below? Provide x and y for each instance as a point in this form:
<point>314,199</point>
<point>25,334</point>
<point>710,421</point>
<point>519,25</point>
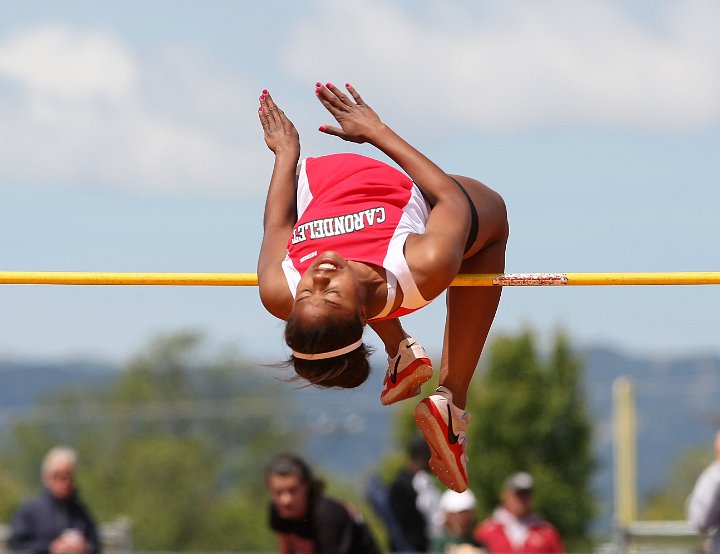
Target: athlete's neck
<point>372,279</point>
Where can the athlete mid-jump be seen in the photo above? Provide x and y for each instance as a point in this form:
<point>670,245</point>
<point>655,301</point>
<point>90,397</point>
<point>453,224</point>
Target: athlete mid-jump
<point>350,240</point>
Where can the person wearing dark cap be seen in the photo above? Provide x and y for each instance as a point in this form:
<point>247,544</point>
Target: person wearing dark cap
<point>414,500</point>
<point>513,527</point>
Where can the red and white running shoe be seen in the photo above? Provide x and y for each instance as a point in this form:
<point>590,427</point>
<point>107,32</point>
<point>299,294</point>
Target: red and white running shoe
<point>444,426</point>
<point>406,372</point>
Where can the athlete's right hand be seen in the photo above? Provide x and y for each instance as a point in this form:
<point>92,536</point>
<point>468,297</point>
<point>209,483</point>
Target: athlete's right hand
<point>358,122</point>
<point>279,132</point>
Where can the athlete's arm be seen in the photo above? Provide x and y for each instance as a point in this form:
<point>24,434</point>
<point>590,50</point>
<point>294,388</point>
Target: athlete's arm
<point>280,207</point>
<point>434,257</point>
<point>390,332</point>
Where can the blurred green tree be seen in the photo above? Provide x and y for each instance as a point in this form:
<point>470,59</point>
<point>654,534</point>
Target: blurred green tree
<point>668,502</point>
<point>178,443</point>
<point>529,414</point>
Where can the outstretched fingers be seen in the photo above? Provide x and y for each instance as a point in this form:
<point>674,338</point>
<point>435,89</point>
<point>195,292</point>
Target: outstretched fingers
<point>271,113</point>
<point>357,121</point>
<point>335,99</point>
<point>354,94</point>
<point>263,112</point>
<point>329,99</point>
<point>344,100</point>
<point>279,132</point>
<point>330,130</point>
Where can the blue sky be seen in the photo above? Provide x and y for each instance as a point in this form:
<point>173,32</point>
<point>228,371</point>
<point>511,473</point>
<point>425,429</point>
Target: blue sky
<point>129,142</point>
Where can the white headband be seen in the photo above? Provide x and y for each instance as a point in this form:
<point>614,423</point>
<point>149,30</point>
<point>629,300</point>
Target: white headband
<point>331,354</point>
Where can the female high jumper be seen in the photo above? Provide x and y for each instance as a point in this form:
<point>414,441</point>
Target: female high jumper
<point>350,240</point>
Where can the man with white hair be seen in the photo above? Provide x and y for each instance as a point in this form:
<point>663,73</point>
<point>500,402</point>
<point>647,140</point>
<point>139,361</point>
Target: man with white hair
<point>55,522</point>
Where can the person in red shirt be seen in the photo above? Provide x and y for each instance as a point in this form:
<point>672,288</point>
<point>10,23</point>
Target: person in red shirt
<point>513,527</point>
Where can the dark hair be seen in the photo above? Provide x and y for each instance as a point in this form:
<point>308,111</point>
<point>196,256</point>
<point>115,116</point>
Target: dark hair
<point>291,464</point>
<point>347,371</point>
<point>418,449</point>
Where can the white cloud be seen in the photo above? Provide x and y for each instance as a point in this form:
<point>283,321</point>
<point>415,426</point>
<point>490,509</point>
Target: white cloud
<point>508,66</point>
<point>80,107</point>
<point>83,106</point>
<point>53,61</point>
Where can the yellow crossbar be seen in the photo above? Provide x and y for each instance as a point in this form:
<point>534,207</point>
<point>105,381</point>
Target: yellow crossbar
<point>250,279</point>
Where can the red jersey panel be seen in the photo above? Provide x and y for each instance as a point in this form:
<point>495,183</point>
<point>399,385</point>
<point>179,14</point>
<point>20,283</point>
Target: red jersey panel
<point>357,204</point>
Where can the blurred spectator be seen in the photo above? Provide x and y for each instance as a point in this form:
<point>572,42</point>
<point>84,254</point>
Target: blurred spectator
<point>306,521</point>
<point>457,513</point>
<point>414,500</point>
<point>703,505</point>
<point>377,494</point>
<point>55,522</point>
<point>513,527</point>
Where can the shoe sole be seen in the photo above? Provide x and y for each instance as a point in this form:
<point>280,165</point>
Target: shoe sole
<point>407,388</point>
<point>444,462</point>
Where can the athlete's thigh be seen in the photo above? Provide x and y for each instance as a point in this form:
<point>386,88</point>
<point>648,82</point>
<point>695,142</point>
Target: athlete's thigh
<point>491,213</point>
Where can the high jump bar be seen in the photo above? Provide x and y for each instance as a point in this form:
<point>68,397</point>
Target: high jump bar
<point>464,280</point>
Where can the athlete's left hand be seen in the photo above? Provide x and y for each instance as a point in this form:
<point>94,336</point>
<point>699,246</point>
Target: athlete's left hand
<point>358,122</point>
<point>280,134</point>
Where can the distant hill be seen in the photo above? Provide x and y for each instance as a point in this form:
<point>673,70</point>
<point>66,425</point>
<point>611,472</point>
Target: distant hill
<point>23,383</point>
<point>348,431</point>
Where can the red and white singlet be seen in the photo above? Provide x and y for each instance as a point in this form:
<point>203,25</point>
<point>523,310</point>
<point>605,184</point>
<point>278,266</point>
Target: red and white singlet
<point>364,209</point>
